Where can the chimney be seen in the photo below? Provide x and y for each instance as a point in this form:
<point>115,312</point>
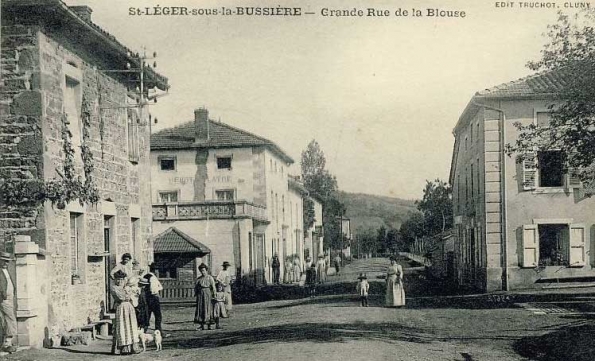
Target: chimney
<point>83,12</point>
<point>201,125</point>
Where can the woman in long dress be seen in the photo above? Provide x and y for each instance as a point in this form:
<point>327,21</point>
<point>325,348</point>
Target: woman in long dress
<point>125,330</point>
<point>204,290</point>
<point>395,292</point>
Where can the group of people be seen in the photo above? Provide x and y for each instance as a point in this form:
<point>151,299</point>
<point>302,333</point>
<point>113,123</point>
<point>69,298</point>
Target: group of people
<point>395,291</point>
<point>213,296</point>
<point>293,269</point>
<point>136,297</point>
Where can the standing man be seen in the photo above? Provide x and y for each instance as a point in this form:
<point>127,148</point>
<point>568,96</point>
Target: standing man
<point>225,278</point>
<point>7,304</point>
<point>125,266</point>
<point>153,300</point>
<point>338,263</point>
<point>276,264</point>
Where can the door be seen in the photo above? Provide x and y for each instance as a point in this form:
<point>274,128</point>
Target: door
<point>259,258</point>
<point>108,262</point>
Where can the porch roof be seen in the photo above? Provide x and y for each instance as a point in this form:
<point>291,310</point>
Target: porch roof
<point>173,240</point>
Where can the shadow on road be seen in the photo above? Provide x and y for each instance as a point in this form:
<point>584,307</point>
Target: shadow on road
<point>573,342</point>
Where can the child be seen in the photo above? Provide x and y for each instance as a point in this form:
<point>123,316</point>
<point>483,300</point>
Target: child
<point>311,280</point>
<point>362,288</point>
<point>219,310</point>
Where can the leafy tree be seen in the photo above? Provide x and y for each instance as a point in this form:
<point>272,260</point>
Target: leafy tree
<point>381,239</point>
<point>320,182</point>
<point>411,229</point>
<point>392,240</point>
<point>308,213</point>
<point>436,206</point>
<point>570,53</point>
<point>366,240</point>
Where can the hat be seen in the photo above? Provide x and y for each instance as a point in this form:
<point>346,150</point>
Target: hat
<point>119,275</point>
<point>202,265</point>
<point>393,258</point>
<point>126,255</point>
<point>143,281</point>
<point>5,256</point>
<point>132,281</point>
<point>362,276</point>
<point>225,264</point>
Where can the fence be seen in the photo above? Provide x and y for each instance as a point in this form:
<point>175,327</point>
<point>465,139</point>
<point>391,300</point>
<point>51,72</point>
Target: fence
<point>177,290</point>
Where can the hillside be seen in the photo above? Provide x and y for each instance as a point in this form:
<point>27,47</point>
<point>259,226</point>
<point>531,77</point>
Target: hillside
<point>370,211</point>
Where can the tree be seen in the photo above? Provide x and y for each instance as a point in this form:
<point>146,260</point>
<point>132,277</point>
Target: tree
<point>412,229</point>
<point>323,184</point>
<point>569,53</point>
<point>436,207</point>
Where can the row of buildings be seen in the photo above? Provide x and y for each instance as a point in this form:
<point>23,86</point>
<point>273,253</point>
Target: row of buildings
<point>71,115</point>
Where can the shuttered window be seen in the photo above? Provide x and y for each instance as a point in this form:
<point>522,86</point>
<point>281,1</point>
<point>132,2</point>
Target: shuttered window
<point>530,171</point>
<point>530,256</point>
<point>577,245</point>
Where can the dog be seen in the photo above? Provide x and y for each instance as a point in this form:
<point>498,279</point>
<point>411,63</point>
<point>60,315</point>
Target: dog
<point>158,339</point>
<point>145,338</point>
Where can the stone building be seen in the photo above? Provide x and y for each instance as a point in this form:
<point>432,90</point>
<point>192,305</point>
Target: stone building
<point>522,224</point>
<point>228,190</point>
<point>68,126</point>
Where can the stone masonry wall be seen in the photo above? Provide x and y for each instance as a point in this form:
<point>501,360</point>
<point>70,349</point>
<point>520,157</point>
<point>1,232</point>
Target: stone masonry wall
<point>118,180</point>
<point>20,134</point>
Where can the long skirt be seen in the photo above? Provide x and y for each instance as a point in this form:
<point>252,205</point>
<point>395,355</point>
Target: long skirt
<point>228,302</point>
<point>288,275</point>
<point>321,274</point>
<point>125,326</point>
<point>204,307</point>
<point>395,293</point>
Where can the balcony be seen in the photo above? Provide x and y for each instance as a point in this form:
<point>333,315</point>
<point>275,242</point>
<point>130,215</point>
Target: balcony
<point>208,210</point>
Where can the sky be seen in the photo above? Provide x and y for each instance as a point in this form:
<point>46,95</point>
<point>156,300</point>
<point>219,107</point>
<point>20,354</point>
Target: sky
<point>381,95</point>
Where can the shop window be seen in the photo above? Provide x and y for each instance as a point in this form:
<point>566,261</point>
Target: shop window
<point>553,244</point>
<point>167,163</point>
<point>168,196</point>
<point>223,162</point>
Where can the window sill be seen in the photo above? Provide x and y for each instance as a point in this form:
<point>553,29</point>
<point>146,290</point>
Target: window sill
<point>552,190</point>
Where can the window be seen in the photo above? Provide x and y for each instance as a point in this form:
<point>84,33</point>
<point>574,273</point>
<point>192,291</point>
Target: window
<point>133,118</point>
<point>472,183</point>
<point>223,162</point>
<point>134,233</point>
<point>554,244</point>
<point>225,195</point>
<point>77,247</point>
<point>167,163</point>
<point>168,196</point>
<point>551,168</point>
<point>73,99</point>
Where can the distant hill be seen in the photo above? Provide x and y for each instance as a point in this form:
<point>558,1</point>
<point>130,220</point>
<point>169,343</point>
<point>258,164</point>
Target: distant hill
<point>370,211</point>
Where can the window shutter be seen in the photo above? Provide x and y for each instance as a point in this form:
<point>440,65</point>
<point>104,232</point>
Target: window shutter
<point>530,171</point>
<point>572,179</point>
<point>530,246</point>
<point>576,253</point>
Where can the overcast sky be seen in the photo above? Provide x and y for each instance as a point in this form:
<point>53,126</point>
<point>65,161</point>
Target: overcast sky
<point>380,95</point>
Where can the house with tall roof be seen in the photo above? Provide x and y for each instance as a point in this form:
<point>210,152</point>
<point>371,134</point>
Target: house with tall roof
<point>71,123</point>
<point>519,222</point>
<point>229,190</point>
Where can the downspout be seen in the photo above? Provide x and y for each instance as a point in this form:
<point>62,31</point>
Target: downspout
<point>503,225</point>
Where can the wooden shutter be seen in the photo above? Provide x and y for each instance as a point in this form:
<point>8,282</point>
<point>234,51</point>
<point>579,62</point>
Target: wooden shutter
<point>530,256</point>
<point>576,251</point>
<point>572,179</point>
<point>530,171</point>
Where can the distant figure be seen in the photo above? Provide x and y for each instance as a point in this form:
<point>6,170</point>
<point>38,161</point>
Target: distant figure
<point>308,263</point>
<point>7,311</point>
<point>204,290</point>
<point>321,269</point>
<point>297,269</point>
<point>219,310</point>
<point>125,266</point>
<point>395,292</point>
<point>226,278</point>
<point>338,263</point>
<point>311,280</point>
<point>288,274</point>
<point>276,265</point>
<point>362,289</point>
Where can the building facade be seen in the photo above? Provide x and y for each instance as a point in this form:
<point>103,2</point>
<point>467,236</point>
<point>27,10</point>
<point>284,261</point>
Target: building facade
<point>64,115</point>
<point>518,224</point>
<point>230,191</point>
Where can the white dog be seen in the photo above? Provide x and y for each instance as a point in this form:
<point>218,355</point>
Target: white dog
<point>158,339</point>
<point>145,338</point>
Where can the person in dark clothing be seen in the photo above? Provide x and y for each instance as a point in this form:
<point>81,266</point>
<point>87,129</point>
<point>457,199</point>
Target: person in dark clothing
<point>276,265</point>
<point>142,309</point>
<point>311,280</point>
<point>153,300</point>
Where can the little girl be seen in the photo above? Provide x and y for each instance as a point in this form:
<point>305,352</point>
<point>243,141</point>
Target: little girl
<point>362,288</point>
<point>219,310</point>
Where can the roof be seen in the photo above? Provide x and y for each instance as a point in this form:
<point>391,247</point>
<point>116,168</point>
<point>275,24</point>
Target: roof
<point>173,240</point>
<point>543,83</point>
<point>221,136</point>
<point>296,184</point>
<point>58,16</point>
